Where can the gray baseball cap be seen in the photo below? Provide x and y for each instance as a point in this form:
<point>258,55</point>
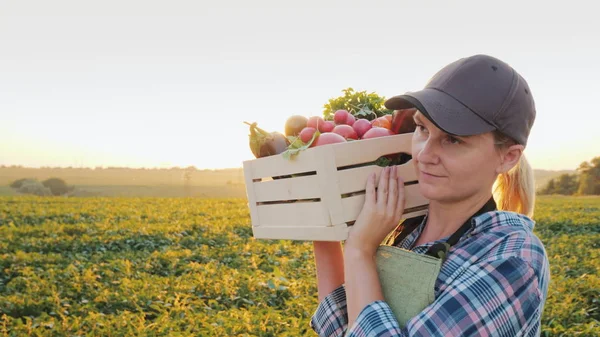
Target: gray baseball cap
<point>474,95</point>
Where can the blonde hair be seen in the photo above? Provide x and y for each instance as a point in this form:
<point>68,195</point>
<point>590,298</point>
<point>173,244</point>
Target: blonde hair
<point>514,190</point>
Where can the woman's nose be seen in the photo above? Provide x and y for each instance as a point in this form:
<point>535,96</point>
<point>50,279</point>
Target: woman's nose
<point>427,152</point>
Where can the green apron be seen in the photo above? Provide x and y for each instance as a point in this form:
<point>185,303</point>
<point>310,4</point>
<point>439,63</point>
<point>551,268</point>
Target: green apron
<point>407,278</point>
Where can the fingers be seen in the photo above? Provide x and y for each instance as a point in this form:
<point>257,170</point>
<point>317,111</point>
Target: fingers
<point>401,201</point>
<point>382,189</point>
<point>393,191</point>
<point>370,189</point>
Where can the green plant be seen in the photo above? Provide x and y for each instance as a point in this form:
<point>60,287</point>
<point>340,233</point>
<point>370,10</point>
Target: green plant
<point>102,266</point>
<point>359,103</point>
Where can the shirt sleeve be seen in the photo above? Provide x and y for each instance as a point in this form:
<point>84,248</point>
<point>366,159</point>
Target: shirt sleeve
<point>495,298</point>
<point>331,317</point>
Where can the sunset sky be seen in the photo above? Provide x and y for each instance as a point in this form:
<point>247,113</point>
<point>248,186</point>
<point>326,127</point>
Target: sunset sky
<point>170,83</point>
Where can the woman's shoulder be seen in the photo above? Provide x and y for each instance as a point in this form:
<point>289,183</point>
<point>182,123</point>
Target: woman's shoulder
<point>511,235</point>
<point>503,221</point>
<point>512,230</point>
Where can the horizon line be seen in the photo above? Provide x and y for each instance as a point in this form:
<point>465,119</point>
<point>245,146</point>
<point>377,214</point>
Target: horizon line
<point>169,168</point>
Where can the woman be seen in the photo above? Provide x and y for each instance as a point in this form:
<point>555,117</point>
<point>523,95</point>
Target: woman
<point>473,119</point>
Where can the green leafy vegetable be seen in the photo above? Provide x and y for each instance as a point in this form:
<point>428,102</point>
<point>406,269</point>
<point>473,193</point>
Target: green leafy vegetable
<point>297,145</point>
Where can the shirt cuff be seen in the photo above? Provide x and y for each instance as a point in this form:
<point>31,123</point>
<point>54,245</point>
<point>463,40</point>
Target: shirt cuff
<point>331,316</point>
<point>376,319</point>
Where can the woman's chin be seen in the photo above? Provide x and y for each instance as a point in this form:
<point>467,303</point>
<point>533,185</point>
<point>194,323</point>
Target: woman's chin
<point>429,192</point>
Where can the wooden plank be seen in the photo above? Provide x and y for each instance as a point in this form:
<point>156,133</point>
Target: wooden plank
<point>297,214</point>
<point>319,233</point>
<point>366,150</point>
<point>250,194</point>
<point>353,205</point>
<point>276,165</point>
<point>355,179</point>
<point>336,233</point>
<point>328,183</point>
<point>305,187</point>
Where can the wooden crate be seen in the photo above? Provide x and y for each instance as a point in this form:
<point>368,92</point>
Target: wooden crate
<point>323,202</point>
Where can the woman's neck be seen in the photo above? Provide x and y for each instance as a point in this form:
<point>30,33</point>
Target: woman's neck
<point>443,219</point>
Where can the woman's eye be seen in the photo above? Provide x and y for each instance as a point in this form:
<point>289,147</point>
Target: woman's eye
<point>454,140</point>
<point>421,128</point>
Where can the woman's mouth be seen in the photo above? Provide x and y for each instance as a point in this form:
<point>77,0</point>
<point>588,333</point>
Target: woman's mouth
<point>429,175</point>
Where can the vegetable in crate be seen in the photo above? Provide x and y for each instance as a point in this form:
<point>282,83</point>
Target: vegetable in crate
<point>403,122</point>
<point>328,138</point>
<point>361,126</point>
<point>295,124</point>
<point>263,143</point>
<point>345,131</point>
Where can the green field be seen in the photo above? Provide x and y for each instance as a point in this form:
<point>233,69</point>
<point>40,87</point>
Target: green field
<point>136,266</point>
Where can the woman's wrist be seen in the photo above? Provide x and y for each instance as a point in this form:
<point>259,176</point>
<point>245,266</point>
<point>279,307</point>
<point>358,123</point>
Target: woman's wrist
<point>360,252</point>
<point>355,250</point>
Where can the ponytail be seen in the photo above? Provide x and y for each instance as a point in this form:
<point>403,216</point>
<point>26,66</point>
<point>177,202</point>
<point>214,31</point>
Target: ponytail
<point>514,190</point>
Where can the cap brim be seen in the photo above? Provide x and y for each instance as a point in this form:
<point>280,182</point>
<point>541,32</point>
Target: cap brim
<point>443,110</point>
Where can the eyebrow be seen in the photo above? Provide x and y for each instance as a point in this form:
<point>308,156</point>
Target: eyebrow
<point>417,119</point>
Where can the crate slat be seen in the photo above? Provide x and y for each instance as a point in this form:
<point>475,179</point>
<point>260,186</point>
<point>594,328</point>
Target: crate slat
<point>276,165</point>
<point>337,233</point>
<point>250,194</point>
<point>297,214</point>
<point>353,205</point>
<point>328,182</point>
<point>367,150</point>
<point>333,233</point>
<point>305,187</point>
<point>354,179</point>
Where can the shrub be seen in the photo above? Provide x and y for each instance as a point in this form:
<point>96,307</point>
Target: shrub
<point>56,185</point>
<point>34,187</point>
<point>18,183</point>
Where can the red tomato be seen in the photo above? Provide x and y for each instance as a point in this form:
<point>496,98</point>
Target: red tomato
<point>315,122</point>
<point>350,120</point>
<point>340,116</point>
<point>306,134</point>
<point>376,131</point>
<point>382,122</point>
<point>361,126</point>
<point>345,131</point>
<point>327,126</point>
<point>328,138</point>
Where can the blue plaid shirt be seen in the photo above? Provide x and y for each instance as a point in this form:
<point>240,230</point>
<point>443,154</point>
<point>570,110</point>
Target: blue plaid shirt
<point>493,283</point>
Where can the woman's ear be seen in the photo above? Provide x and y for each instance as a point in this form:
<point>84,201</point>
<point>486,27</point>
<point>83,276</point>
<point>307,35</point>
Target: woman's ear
<point>510,157</point>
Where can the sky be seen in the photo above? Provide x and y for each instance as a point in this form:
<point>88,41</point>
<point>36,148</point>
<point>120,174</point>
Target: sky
<point>170,83</point>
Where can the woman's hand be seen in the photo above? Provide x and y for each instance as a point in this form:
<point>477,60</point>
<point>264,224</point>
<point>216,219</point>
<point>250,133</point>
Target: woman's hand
<point>380,214</point>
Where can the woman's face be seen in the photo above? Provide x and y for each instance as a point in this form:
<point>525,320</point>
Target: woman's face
<point>451,168</point>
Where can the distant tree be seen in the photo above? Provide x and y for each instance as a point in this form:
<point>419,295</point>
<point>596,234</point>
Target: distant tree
<point>589,182</point>
<point>565,184</point>
<point>56,185</point>
<point>19,182</point>
<point>34,187</point>
<point>550,188</point>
